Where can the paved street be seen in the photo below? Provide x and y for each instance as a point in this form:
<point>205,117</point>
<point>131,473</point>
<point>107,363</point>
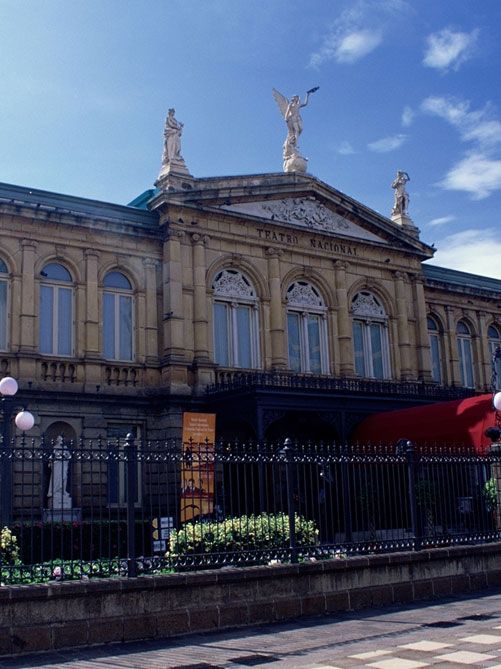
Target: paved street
<point>451,633</point>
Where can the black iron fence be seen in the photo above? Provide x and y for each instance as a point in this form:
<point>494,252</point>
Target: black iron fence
<point>124,507</point>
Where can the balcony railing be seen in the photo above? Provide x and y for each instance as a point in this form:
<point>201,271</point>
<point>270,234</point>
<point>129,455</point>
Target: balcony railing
<point>232,380</point>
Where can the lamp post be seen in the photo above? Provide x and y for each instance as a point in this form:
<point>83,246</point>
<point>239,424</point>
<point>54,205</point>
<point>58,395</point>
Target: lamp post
<point>24,421</point>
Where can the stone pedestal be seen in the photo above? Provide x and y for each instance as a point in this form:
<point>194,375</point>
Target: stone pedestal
<point>61,515</point>
<point>295,164</point>
<point>406,223</point>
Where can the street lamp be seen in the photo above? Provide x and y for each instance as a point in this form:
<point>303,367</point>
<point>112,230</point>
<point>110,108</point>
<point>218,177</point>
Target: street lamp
<point>24,421</point>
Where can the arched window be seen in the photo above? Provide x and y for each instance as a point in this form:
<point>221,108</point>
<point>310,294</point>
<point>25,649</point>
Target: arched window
<point>370,337</point>
<point>306,331</point>
<point>4,285</point>
<point>235,319</point>
<point>494,336</point>
<point>117,317</point>
<point>465,353</point>
<point>436,350</point>
<point>56,310</point>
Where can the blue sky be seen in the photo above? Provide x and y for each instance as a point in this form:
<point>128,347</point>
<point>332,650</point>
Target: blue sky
<point>404,84</point>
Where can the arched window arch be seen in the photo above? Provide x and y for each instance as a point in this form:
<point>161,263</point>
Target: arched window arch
<point>370,336</point>
<point>4,291</point>
<point>306,329</point>
<point>118,322</point>
<point>465,353</point>
<point>435,336</point>
<point>235,318</point>
<point>56,310</point>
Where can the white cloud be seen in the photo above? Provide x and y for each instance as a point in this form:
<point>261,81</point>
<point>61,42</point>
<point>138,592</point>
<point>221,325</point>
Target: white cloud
<point>475,251</point>
<point>477,174</point>
<point>442,220</point>
<point>356,45</point>
<point>407,116</point>
<point>357,31</point>
<point>449,49</point>
<point>345,149</point>
<point>387,144</point>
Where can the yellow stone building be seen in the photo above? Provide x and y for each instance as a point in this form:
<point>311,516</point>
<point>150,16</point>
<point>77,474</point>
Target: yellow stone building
<point>273,300</point>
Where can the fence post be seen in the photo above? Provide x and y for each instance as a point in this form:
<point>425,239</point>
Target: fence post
<point>131,485</point>
<point>6,408</point>
<point>411,479</point>
<point>288,453</point>
<point>345,484</point>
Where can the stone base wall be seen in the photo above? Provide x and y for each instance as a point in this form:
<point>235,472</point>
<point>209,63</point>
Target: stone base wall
<point>63,615</point>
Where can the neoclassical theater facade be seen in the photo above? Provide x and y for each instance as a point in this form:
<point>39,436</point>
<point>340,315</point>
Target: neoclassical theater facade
<point>275,301</point>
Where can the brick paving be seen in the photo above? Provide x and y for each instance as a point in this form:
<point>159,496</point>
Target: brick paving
<point>461,632</point>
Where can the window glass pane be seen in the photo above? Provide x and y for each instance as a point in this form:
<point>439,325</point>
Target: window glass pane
<point>497,367</point>
<point>109,325</point>
<point>221,344</point>
<point>294,342</point>
<point>3,267</point>
<point>3,315</point>
<point>116,280</point>
<point>244,336</point>
<point>46,319</point>
<point>314,344</point>
<point>65,319</point>
<point>56,271</point>
<point>431,324</point>
<point>468,362</point>
<point>377,351</point>
<point>462,328</point>
<point>125,326</point>
<point>358,344</point>
<point>492,332</point>
<point>436,367</point>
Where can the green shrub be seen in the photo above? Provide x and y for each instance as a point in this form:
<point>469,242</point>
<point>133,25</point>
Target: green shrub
<point>263,534</point>
<point>490,494</point>
<point>9,550</point>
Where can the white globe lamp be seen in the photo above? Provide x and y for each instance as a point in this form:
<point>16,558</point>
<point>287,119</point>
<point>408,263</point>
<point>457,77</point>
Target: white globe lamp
<point>497,401</point>
<point>24,420</point>
<point>8,386</point>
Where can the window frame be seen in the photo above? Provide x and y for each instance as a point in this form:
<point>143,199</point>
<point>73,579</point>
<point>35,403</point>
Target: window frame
<point>464,343</point>
<point>435,335</point>
<point>56,287</point>
<point>117,294</point>
<point>233,290</point>
<point>367,312</point>
<point>305,303</point>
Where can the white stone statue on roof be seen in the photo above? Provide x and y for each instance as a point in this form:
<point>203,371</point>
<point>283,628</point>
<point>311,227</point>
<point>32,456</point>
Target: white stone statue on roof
<point>293,160</point>
<point>172,160</point>
<point>401,203</point>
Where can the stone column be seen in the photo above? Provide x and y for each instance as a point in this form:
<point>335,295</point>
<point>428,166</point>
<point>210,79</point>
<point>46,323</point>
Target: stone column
<point>422,338</point>
<point>403,326</point>
<point>173,321</point>
<point>346,361</point>
<point>28,308</point>
<point>91,303</point>
<point>454,371</point>
<point>200,316</point>
<point>277,332</point>
<point>485,361</point>
<point>151,321</point>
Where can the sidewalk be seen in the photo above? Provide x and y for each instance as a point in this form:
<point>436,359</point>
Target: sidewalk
<point>451,633</point>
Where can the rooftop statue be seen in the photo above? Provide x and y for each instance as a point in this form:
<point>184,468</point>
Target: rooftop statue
<point>401,204</point>
<point>293,160</point>
<point>172,160</point>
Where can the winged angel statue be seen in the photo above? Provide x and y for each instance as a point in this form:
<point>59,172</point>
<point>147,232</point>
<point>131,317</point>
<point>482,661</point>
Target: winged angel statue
<point>293,160</point>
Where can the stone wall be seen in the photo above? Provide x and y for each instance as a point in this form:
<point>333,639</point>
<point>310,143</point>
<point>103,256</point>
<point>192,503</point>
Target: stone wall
<point>69,614</point>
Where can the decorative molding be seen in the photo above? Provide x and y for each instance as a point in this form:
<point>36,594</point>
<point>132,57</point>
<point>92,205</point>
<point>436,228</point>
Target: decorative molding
<point>230,283</point>
<point>302,294</point>
<point>306,212</point>
<point>365,304</point>
<point>273,252</point>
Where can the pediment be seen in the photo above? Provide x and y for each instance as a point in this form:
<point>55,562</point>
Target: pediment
<point>304,212</point>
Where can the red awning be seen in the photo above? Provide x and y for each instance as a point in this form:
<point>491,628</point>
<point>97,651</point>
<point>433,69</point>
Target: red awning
<point>460,422</point>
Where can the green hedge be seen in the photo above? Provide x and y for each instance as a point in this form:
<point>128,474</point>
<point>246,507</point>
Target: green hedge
<point>261,533</point>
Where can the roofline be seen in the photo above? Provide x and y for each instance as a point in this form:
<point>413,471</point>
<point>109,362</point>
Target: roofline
<point>69,204</point>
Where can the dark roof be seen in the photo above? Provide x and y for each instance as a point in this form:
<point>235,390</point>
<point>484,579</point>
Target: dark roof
<point>453,277</point>
<point>70,204</point>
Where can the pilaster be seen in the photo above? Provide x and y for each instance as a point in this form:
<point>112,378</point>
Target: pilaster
<point>346,362</point>
<point>277,333</point>
<point>403,325</point>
